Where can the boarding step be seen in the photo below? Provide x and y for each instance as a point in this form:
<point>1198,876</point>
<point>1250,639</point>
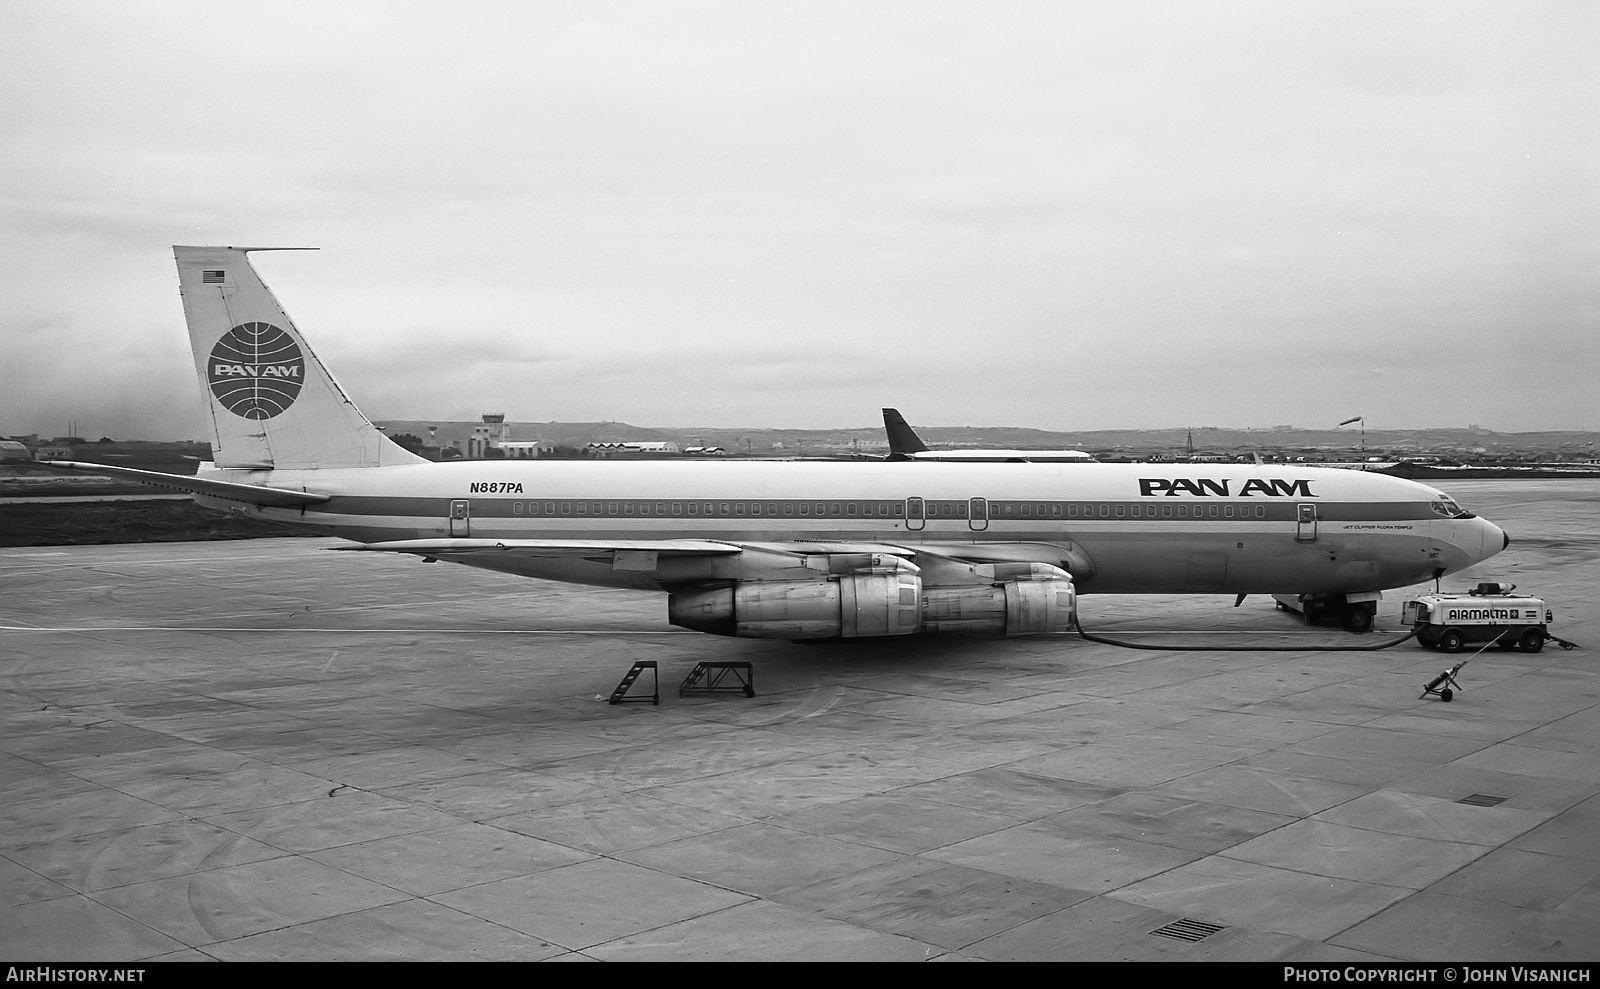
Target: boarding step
<point>620,695</point>
<point>707,678</point>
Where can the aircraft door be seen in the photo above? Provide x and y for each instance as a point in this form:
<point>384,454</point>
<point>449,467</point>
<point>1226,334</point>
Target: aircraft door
<point>978,514</point>
<point>461,518</point>
<point>915,514</point>
<point>1305,523</point>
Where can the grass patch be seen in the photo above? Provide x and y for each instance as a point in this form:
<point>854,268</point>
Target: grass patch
<point>98,522</point>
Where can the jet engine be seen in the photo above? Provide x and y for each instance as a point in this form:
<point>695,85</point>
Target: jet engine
<point>1020,599</point>
<point>881,597</point>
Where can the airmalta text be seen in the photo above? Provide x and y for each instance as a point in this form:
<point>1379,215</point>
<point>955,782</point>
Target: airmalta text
<point>1485,614</point>
<point>1206,487</point>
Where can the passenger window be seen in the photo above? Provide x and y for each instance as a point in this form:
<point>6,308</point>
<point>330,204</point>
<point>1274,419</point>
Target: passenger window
<point>1166,511</point>
<point>516,507</point>
<point>694,508</point>
<point>1119,511</point>
<point>1227,511</point>
<point>805,509</point>
<point>677,508</point>
<point>850,508</point>
<point>1027,510</point>
<point>583,508</point>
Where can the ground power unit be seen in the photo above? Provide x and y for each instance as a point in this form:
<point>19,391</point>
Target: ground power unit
<point>1488,613</point>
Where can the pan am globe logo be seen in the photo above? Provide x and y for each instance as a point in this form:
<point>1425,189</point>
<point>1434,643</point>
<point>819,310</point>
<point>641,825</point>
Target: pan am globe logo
<point>256,370</point>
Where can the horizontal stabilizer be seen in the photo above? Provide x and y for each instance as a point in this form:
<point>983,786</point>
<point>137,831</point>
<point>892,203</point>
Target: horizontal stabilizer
<point>250,494</point>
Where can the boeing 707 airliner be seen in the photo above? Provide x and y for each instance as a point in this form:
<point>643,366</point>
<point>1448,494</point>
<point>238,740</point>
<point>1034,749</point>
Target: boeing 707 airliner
<point>792,549</point>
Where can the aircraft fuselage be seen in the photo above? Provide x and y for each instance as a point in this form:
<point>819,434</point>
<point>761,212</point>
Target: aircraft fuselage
<point>1118,528</point>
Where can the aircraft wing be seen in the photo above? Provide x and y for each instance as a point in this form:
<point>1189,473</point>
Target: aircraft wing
<point>548,547</point>
<point>1068,555</point>
<point>250,494</point>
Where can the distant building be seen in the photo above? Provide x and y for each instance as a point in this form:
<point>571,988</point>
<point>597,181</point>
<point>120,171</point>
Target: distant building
<point>631,448</point>
<point>704,451</point>
<point>520,449</point>
<point>489,436</point>
<point>11,450</point>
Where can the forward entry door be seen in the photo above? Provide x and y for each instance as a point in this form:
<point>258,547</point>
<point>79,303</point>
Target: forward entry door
<point>978,514</point>
<point>461,518</point>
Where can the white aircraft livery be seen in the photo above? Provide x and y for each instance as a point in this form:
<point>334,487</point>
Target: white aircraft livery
<point>792,549</point>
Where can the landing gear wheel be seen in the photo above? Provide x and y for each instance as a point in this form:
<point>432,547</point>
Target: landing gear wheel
<point>1531,641</point>
<point>1452,640</point>
<point>1446,694</point>
<point>1357,619</point>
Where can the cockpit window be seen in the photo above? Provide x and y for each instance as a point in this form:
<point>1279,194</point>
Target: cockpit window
<point>1449,509</point>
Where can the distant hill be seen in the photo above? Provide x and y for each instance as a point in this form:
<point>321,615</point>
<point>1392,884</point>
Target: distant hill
<point>870,440</point>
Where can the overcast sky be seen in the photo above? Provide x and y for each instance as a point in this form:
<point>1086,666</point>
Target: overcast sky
<point>1058,215</point>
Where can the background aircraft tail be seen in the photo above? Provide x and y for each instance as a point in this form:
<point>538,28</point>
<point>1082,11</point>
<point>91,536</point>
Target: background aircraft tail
<point>903,439</point>
<point>272,403</point>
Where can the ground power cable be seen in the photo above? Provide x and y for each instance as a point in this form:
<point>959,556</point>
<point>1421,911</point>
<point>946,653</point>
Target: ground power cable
<point>1163,648</point>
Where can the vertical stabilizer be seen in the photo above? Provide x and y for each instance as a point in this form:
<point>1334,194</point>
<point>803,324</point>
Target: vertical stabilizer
<point>903,440</point>
<point>271,401</point>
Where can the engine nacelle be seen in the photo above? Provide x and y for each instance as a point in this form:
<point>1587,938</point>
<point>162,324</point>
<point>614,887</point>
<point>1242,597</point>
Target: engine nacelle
<point>848,606</point>
<point>1027,599</point>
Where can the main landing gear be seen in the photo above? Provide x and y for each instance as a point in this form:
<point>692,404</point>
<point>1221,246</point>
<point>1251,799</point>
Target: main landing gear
<point>1353,616</point>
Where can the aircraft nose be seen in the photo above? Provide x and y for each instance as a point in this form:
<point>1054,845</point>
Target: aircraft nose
<point>1491,545</point>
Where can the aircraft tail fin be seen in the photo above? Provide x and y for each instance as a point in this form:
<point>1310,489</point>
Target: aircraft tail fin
<point>272,403</point>
<point>903,440</point>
